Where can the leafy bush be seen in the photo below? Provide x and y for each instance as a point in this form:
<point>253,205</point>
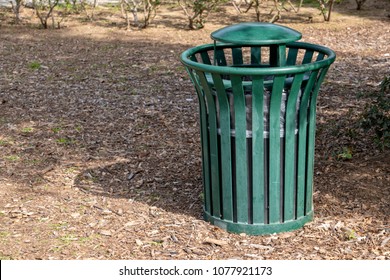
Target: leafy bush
<point>376,116</point>
<point>147,7</point>
<point>44,10</point>
<point>198,10</point>
<point>326,7</point>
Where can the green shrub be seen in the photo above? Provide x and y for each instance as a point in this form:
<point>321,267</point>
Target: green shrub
<point>198,10</point>
<point>376,116</point>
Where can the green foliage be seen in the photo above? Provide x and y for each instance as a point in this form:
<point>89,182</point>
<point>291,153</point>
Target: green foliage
<point>5,257</point>
<point>56,129</point>
<point>27,130</point>
<point>345,154</point>
<point>66,5</point>
<point>3,143</point>
<point>64,141</point>
<point>312,3</point>
<point>12,158</point>
<point>34,65</point>
<point>350,234</point>
<point>376,116</point>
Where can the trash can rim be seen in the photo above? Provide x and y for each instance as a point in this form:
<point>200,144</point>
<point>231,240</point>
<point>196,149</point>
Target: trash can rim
<point>231,70</point>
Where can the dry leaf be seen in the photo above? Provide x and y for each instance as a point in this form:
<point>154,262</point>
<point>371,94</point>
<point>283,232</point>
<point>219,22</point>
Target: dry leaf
<point>106,212</point>
<point>263,247</point>
<point>384,242</point>
<point>253,256</point>
<point>106,232</point>
<point>75,215</point>
<point>216,241</point>
<point>139,242</point>
<point>131,223</point>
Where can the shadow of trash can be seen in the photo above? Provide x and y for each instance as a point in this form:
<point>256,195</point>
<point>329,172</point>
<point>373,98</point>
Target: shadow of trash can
<point>257,89</point>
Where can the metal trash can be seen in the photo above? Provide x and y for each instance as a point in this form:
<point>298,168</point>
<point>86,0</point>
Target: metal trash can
<point>257,89</point>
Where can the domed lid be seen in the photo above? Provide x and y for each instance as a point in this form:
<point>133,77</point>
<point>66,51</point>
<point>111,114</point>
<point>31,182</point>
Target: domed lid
<point>256,33</point>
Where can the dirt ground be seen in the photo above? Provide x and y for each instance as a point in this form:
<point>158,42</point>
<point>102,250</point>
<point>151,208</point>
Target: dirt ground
<point>100,144</point>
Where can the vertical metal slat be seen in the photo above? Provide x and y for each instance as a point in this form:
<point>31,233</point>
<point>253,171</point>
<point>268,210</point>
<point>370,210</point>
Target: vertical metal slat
<point>204,142</point>
<point>258,149</point>
<point>311,142</point>
<point>205,58</point>
<point>226,160</point>
<point>274,147</point>
<point>255,55</point>
<point>213,144</point>
<point>308,57</point>
<point>220,57</point>
<point>292,56</point>
<point>290,155</point>
<point>237,56</point>
<point>240,150</point>
<point>302,142</point>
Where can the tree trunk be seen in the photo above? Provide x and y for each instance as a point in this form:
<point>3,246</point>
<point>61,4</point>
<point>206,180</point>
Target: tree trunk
<point>300,6</point>
<point>95,4</point>
<point>16,9</point>
<point>257,9</point>
<point>359,4</point>
<point>331,2</point>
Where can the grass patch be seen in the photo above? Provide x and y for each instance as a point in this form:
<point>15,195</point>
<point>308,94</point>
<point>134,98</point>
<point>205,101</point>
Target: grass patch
<point>33,161</point>
<point>78,128</point>
<point>56,129</point>
<point>71,170</point>
<point>87,239</point>
<point>4,234</point>
<point>60,226</point>
<point>68,238</point>
<point>3,143</point>
<point>64,141</point>
<point>27,130</point>
<point>34,65</point>
<point>43,219</point>
<point>12,158</point>
<point>5,257</point>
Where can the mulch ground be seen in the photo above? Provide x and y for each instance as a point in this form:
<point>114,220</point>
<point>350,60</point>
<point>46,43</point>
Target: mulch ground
<point>100,146</point>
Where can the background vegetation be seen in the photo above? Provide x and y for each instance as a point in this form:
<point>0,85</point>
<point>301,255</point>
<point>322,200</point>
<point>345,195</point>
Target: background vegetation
<point>140,13</point>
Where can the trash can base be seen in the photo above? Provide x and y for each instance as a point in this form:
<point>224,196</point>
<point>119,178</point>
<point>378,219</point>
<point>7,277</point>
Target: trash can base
<point>259,229</point>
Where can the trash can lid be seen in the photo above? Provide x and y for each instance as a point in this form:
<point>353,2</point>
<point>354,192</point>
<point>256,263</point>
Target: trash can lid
<point>256,33</point>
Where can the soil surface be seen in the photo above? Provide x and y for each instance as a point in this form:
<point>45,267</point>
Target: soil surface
<point>100,154</point>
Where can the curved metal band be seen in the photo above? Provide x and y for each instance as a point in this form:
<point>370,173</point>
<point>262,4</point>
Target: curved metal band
<point>242,71</point>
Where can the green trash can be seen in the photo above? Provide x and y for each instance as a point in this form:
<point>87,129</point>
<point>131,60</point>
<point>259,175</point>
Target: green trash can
<point>257,90</point>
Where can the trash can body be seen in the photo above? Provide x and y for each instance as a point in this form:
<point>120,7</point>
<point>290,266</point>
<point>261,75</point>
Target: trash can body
<point>257,120</point>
